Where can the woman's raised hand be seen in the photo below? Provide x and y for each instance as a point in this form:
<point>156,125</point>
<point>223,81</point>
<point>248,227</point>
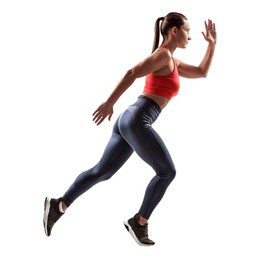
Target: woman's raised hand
<point>211,34</point>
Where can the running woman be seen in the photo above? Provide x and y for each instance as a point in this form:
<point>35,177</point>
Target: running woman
<point>133,130</point>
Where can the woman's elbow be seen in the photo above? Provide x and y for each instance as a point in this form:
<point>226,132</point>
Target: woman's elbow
<point>134,73</point>
<point>203,73</point>
<point>130,73</point>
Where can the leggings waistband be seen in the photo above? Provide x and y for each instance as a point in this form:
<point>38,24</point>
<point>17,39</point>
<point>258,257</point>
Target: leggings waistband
<point>151,102</point>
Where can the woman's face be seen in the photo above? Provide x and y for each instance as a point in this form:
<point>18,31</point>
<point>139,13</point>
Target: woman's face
<point>182,35</point>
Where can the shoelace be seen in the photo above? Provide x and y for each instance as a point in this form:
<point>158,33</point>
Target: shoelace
<point>145,230</point>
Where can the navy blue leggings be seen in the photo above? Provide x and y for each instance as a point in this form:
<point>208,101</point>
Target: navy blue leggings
<point>131,132</point>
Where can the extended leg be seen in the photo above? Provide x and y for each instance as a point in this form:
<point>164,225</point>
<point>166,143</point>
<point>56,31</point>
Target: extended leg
<point>115,155</point>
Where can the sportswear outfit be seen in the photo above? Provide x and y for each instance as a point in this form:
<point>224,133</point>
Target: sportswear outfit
<point>133,131</point>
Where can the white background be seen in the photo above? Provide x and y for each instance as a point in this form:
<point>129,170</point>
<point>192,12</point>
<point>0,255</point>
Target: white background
<point>58,61</point>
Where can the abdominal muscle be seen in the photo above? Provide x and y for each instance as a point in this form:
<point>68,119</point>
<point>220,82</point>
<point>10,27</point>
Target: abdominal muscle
<point>161,101</point>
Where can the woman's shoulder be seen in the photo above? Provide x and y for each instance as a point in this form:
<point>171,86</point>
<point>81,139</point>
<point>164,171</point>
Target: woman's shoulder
<point>164,49</point>
<point>163,54</point>
<point>177,62</point>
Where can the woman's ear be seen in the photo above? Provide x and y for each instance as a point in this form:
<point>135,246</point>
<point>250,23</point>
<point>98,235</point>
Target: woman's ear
<point>174,30</point>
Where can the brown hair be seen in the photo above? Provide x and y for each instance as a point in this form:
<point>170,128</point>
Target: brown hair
<point>170,20</point>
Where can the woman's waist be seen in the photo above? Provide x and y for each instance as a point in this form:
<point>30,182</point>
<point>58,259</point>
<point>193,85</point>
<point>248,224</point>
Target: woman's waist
<point>161,101</point>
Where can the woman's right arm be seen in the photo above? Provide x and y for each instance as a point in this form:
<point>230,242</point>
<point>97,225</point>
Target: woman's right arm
<point>154,62</point>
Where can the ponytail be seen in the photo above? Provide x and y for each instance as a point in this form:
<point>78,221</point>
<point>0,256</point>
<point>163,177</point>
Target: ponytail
<point>157,31</point>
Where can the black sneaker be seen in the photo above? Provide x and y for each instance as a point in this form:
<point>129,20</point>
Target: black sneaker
<point>138,232</point>
<point>51,214</point>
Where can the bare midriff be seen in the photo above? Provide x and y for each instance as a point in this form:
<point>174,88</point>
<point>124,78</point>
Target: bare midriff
<point>161,101</point>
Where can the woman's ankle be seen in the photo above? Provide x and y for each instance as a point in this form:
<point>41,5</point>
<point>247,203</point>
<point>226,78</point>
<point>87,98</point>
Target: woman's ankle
<point>141,220</point>
<point>62,207</point>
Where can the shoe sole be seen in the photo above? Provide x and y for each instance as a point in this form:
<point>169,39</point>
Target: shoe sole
<point>132,233</point>
<point>47,205</point>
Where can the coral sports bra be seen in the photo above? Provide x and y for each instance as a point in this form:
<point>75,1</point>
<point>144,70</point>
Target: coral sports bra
<point>163,85</point>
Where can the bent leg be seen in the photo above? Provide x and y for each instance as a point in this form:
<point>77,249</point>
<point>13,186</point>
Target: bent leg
<point>150,147</point>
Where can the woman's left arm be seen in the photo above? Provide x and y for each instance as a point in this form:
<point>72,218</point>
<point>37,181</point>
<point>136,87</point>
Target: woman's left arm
<point>191,71</point>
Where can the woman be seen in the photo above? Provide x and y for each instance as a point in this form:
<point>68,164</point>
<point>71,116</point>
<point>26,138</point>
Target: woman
<point>133,129</point>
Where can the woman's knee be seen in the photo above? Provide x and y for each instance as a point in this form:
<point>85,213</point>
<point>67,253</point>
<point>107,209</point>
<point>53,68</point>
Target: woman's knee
<point>167,173</point>
<point>102,171</point>
<point>172,174</point>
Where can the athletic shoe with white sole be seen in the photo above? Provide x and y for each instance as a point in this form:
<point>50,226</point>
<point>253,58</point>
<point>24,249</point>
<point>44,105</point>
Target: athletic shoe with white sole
<point>138,232</point>
<point>51,214</point>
